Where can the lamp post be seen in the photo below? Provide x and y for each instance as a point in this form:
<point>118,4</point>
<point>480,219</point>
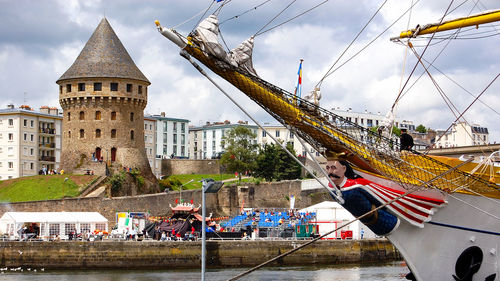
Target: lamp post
<point>63,185</point>
<point>208,186</point>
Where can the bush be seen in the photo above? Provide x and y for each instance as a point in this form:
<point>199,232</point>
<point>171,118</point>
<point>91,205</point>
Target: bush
<point>169,183</point>
<point>116,181</point>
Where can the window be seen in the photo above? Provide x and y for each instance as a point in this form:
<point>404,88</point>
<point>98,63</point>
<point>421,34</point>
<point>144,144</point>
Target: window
<point>68,228</point>
<point>113,133</point>
<point>164,149</point>
<point>183,127</point>
<point>32,138</point>
<point>32,123</point>
<point>264,134</point>
<point>165,137</point>
<point>25,122</point>
<point>69,116</point>
<point>132,135</point>
<point>213,134</point>
<point>60,89</point>
<point>32,152</point>
<point>84,227</point>
<point>204,134</point>
<point>183,149</point>
<point>277,133</point>
<point>97,87</point>
<point>69,134</point>
<point>131,116</point>
<point>82,115</point>
<point>98,133</point>
<point>175,126</point>
<point>175,138</point>
<point>145,126</point>
<point>175,150</point>
<point>183,139</point>
<point>53,229</point>
<point>113,87</point>
<point>11,136</point>
<point>165,126</point>
<point>129,88</point>
<point>369,122</point>
<point>113,115</point>
<point>100,226</point>
<point>11,165</point>
<point>98,115</point>
<point>32,166</point>
<point>25,136</point>
<point>68,88</point>
<point>81,87</point>
<point>11,122</point>
<point>213,146</point>
<point>139,89</point>
<point>82,133</point>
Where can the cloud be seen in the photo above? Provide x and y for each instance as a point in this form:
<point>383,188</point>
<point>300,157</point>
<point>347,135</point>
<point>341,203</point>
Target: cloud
<point>40,40</point>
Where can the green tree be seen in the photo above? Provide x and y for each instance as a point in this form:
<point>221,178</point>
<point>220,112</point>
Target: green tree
<point>274,163</point>
<point>421,129</point>
<point>240,150</point>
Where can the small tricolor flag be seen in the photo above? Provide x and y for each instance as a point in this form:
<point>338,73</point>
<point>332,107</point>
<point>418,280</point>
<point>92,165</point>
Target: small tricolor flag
<point>298,89</point>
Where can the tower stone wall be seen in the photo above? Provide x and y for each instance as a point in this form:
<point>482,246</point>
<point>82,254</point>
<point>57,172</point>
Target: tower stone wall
<point>103,96</point>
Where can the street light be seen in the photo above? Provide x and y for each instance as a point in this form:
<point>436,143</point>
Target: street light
<point>208,186</point>
<point>63,189</point>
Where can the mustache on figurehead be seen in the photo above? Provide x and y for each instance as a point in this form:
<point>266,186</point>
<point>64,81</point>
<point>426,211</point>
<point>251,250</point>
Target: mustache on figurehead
<point>333,176</point>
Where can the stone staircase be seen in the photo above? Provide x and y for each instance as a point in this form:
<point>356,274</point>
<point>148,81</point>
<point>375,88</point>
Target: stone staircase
<point>93,186</point>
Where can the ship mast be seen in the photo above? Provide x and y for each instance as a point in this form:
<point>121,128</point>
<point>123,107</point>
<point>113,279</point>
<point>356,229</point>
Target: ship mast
<point>474,20</point>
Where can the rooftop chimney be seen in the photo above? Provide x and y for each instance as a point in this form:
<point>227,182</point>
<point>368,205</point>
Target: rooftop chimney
<point>10,106</point>
<point>162,114</point>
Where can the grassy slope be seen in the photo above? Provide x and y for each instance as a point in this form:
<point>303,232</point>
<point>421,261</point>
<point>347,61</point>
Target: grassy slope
<point>42,187</point>
<point>196,178</point>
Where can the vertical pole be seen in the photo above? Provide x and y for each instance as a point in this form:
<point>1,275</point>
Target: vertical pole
<point>203,231</point>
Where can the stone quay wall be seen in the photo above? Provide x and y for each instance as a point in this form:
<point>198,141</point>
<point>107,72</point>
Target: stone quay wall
<point>226,202</point>
<point>190,166</point>
<point>168,255</point>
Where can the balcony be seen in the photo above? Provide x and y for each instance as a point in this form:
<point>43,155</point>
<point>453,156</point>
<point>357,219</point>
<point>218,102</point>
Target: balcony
<point>48,158</point>
<point>47,145</point>
<point>47,131</point>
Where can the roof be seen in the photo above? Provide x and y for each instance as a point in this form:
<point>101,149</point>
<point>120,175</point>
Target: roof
<point>9,111</point>
<point>53,217</point>
<point>162,118</point>
<point>104,56</point>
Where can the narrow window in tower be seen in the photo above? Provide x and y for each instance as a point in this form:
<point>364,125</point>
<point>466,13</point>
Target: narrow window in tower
<point>69,134</point>
<point>81,87</point>
<point>82,133</point>
<point>97,87</point>
<point>113,87</point>
<point>132,135</point>
<point>68,88</point>
<point>139,89</point>
<point>113,134</point>
<point>98,115</point>
<point>69,116</point>
<point>129,88</point>
<point>60,89</point>
<point>82,115</point>
<point>131,116</point>
<point>113,115</point>
<point>98,133</point>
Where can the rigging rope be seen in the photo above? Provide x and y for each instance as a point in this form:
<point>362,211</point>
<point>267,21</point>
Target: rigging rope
<point>249,10</point>
<point>371,42</point>
<point>204,13</point>
<point>257,33</point>
<point>289,20</point>
<point>350,44</point>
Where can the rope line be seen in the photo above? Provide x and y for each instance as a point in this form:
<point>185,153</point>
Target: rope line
<point>249,10</point>
<point>350,44</point>
<point>257,33</point>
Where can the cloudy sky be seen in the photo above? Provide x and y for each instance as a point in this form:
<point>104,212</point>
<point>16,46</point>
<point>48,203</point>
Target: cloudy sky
<point>39,40</point>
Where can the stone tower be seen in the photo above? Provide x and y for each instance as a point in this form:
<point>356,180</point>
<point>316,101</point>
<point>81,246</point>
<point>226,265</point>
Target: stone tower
<point>103,95</point>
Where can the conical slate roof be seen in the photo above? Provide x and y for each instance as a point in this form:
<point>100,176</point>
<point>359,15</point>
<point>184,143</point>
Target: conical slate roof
<point>104,56</point>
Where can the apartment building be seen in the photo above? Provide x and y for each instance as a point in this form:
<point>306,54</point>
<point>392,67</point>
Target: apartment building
<point>29,141</point>
<point>150,132</point>
<point>206,140</point>
<point>462,134</point>
<point>172,136</point>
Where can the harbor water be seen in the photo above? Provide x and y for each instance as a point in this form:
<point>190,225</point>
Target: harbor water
<point>386,272</point>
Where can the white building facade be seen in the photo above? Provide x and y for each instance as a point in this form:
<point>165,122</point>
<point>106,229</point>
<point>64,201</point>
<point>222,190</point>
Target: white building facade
<point>29,141</point>
<point>206,140</point>
<point>462,134</point>
<point>172,137</point>
<point>150,132</point>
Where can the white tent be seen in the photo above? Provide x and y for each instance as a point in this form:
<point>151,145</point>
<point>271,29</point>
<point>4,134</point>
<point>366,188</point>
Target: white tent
<point>331,215</point>
<point>52,224</point>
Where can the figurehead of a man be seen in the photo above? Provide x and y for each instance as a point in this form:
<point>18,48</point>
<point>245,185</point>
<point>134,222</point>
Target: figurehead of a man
<point>339,170</point>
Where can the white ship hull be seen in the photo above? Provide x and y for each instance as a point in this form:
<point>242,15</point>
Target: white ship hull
<point>432,252</point>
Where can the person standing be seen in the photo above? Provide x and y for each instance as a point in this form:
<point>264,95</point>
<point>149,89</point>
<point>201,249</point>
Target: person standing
<point>362,233</point>
<point>405,140</point>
